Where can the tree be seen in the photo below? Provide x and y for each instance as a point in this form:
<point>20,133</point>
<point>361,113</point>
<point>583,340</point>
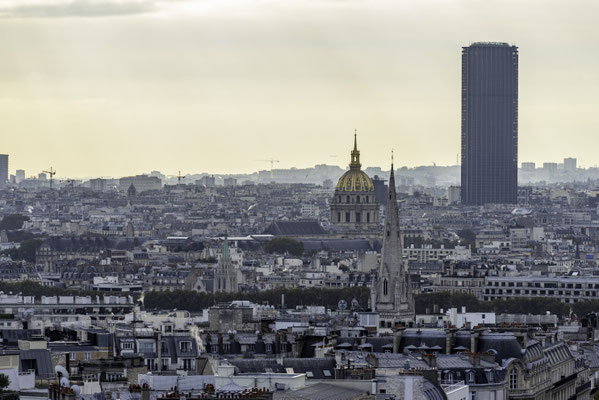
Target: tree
<point>282,245</point>
<point>13,222</point>
<point>4,382</point>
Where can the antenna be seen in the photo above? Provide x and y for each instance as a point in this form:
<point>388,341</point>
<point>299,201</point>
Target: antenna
<point>51,173</point>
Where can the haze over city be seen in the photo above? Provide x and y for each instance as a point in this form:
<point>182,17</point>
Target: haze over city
<point>110,88</point>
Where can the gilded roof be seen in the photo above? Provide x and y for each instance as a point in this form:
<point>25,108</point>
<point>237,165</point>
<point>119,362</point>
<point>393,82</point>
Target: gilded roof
<point>355,180</point>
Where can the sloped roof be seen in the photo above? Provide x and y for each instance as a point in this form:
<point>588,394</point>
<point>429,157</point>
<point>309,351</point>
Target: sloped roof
<point>294,228</point>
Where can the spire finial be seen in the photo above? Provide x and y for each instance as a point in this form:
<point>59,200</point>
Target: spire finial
<point>355,154</point>
<point>391,159</point>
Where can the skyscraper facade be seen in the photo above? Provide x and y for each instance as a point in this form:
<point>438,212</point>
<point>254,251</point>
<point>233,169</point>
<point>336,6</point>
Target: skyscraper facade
<point>3,170</point>
<point>489,123</point>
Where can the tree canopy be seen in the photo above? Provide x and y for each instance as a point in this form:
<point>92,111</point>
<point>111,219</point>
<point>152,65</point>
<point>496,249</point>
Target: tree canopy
<point>13,222</point>
<point>282,245</point>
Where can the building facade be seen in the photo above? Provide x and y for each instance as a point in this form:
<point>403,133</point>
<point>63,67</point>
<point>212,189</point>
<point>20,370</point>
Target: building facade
<point>489,123</point>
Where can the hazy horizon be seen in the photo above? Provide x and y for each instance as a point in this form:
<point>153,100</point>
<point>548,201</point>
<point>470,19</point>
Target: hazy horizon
<point>113,88</point>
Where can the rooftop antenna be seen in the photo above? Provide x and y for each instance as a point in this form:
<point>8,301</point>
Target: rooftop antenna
<point>51,173</point>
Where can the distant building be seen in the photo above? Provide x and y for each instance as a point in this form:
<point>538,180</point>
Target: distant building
<point>454,194</point>
<point>550,167</point>
<point>354,208</point>
<point>489,123</point>
<point>3,170</point>
<point>570,164</point>
<point>97,185</point>
<point>207,181</point>
<point>20,175</point>
<point>380,189</point>
<point>230,182</point>
<point>42,176</point>
<point>528,166</point>
<point>141,183</point>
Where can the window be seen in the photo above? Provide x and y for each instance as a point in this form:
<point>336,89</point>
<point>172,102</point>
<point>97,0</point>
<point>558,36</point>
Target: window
<point>368,217</point>
<point>283,347</point>
<point>385,287</point>
<point>268,347</point>
<point>326,372</point>
<point>449,377</point>
<point>73,356</point>
<point>357,199</point>
<point>514,379</point>
<point>309,374</point>
<point>347,219</point>
<point>88,356</point>
<point>127,346</point>
<point>184,346</point>
<point>472,395</point>
<point>338,217</point>
<point>347,198</point>
<point>358,217</point>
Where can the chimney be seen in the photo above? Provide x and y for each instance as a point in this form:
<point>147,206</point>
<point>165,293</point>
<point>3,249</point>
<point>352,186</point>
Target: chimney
<point>397,340</point>
<point>475,359</point>
<point>430,359</point>
<point>449,340</point>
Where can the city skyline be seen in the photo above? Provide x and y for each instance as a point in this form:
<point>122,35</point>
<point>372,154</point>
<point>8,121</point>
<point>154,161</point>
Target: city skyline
<point>111,90</point>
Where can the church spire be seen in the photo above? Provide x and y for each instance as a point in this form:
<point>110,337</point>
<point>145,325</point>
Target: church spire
<point>355,154</point>
<point>393,289</point>
<point>226,248</point>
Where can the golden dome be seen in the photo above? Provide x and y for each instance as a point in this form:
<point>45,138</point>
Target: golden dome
<point>355,180</point>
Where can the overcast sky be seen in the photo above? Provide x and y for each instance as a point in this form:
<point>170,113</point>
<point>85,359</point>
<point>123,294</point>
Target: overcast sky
<point>113,87</point>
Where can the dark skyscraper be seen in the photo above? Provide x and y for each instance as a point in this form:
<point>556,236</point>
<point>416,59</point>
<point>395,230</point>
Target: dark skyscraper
<point>489,123</point>
<point>3,170</point>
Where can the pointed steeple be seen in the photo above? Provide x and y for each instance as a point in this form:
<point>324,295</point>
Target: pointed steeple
<point>393,291</point>
<point>226,248</point>
<point>355,153</point>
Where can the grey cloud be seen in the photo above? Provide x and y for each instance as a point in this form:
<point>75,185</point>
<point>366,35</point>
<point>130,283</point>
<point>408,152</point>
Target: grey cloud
<point>79,8</point>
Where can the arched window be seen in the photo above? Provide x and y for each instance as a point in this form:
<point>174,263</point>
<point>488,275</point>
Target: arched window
<point>385,287</point>
<point>514,379</point>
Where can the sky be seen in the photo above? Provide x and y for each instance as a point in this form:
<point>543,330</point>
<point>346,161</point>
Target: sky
<point>114,87</point>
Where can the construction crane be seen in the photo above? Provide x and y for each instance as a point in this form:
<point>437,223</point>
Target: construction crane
<point>179,177</point>
<point>52,172</point>
<point>272,162</point>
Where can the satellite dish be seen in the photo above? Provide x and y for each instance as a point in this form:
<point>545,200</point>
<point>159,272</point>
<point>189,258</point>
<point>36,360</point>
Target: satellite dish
<point>76,389</point>
<point>59,369</point>
<point>64,382</point>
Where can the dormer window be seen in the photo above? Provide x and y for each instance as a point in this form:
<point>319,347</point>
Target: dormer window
<point>184,346</point>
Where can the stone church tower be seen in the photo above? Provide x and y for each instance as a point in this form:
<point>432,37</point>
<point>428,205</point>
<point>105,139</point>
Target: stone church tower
<point>225,278</point>
<point>393,291</point>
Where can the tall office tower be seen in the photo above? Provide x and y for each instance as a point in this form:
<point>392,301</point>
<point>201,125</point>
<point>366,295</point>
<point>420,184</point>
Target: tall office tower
<point>489,123</point>
<point>3,170</point>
